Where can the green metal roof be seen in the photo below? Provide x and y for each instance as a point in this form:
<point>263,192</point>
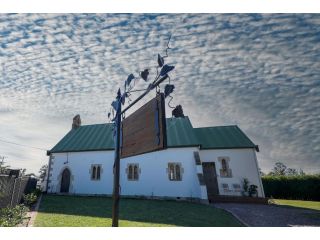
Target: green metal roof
<point>223,137</point>
<point>86,138</point>
<point>180,133</point>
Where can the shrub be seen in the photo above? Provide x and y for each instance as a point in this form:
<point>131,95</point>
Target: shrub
<point>245,185</point>
<point>37,191</point>
<point>11,217</point>
<point>302,187</point>
<point>253,190</point>
<point>30,199</point>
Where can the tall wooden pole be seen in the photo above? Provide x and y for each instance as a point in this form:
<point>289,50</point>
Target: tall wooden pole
<point>116,175</point>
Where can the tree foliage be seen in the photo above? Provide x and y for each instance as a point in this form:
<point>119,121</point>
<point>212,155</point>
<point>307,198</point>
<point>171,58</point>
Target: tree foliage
<point>281,169</point>
<point>43,172</point>
<point>3,167</point>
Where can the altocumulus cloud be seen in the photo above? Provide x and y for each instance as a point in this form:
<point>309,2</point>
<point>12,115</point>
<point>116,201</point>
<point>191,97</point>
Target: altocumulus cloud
<point>258,71</point>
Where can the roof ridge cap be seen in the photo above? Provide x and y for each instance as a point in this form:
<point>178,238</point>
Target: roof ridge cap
<point>217,126</point>
<point>95,124</point>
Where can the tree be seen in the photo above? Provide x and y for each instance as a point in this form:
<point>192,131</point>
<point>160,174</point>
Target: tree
<point>282,170</point>
<point>261,172</point>
<point>301,172</point>
<point>3,167</point>
<point>23,171</point>
<point>292,172</point>
<point>279,169</point>
<point>43,172</point>
<point>30,175</point>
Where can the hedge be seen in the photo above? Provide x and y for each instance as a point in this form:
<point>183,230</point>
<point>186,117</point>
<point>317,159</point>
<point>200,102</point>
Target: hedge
<point>305,187</point>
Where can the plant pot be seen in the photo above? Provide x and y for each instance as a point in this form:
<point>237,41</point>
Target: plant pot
<point>245,194</point>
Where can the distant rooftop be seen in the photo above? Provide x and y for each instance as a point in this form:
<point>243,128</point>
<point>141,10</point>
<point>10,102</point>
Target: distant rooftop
<point>180,133</point>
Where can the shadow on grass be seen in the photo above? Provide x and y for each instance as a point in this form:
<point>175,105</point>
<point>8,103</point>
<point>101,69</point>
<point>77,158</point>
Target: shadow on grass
<point>144,211</point>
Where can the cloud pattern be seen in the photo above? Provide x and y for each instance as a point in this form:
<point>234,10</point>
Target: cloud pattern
<point>260,71</point>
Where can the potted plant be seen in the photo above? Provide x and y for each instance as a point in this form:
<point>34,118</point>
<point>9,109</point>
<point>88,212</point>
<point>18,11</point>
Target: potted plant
<point>253,190</point>
<point>245,187</point>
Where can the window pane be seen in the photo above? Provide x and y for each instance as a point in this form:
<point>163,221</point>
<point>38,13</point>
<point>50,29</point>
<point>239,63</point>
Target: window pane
<point>135,174</point>
<point>171,172</point>
<point>93,173</point>
<point>178,175</point>
<point>224,164</point>
<point>98,172</point>
<point>130,170</point>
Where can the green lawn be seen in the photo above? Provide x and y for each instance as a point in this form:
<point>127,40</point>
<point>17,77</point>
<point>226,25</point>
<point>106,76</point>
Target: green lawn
<point>298,203</point>
<point>74,211</point>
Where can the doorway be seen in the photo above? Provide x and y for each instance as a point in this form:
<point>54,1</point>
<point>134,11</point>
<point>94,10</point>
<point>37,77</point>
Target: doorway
<point>210,179</point>
<point>65,181</point>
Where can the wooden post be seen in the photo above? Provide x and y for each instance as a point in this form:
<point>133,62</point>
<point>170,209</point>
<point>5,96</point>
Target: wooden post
<point>116,173</point>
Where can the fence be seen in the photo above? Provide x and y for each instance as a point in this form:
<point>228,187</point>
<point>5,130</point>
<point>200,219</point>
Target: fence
<point>13,188</point>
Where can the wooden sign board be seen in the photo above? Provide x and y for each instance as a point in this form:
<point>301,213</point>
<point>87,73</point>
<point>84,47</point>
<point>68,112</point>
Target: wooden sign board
<point>145,129</point>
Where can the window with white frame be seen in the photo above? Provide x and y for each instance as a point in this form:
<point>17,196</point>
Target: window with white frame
<point>225,171</point>
<point>175,171</point>
<point>95,172</point>
<point>133,171</point>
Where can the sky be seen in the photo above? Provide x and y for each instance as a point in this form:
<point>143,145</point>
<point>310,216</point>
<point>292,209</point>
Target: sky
<point>259,71</point>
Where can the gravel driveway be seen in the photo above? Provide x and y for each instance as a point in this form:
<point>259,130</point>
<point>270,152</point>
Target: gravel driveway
<point>258,215</point>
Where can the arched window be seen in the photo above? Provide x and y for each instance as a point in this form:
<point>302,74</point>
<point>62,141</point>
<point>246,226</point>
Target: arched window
<point>178,175</point>
<point>93,176</point>
<point>224,165</point>
<point>175,171</point>
<point>133,172</point>
<point>98,173</point>
<point>171,172</point>
<point>225,171</point>
<point>130,174</point>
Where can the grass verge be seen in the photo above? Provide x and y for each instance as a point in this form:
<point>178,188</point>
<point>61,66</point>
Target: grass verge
<point>298,203</point>
<point>75,211</point>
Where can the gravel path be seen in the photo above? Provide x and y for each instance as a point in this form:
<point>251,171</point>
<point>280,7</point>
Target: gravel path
<point>258,215</point>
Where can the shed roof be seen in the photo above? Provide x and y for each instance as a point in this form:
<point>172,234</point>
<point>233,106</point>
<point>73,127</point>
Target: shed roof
<point>180,133</point>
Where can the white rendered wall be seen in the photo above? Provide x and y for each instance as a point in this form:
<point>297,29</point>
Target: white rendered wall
<point>243,165</point>
<point>79,164</point>
<point>153,180</point>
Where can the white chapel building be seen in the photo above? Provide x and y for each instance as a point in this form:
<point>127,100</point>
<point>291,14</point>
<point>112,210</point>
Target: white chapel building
<point>198,163</point>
